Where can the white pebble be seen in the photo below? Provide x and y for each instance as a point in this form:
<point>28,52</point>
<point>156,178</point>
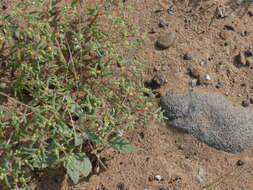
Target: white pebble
<point>158,177</point>
<point>207,77</point>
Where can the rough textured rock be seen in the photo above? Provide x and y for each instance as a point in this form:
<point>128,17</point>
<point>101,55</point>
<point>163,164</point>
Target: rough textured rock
<point>166,40</point>
<point>210,118</point>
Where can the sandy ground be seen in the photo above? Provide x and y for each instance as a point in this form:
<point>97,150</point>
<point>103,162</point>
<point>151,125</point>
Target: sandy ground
<point>179,158</point>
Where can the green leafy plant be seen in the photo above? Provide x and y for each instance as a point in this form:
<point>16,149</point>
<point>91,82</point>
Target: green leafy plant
<point>67,87</point>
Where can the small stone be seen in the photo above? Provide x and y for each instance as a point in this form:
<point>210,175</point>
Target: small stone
<point>200,176</point>
<point>244,33</point>
<point>158,178</point>
<point>156,82</point>
<point>240,163</point>
<point>251,100</point>
<point>249,61</point>
<point>194,73</point>
<point>162,24</point>
<point>245,103</point>
<point>163,188</point>
<point>170,11</point>
<point>249,53</point>
<point>207,77</point>
<point>194,83</point>
<point>121,186</point>
<point>238,2</point>
<point>152,31</point>
<point>187,56</point>
<point>242,59</point>
<point>250,13</point>
<point>203,62</point>
<point>159,10</point>
<point>229,27</point>
<point>151,178</point>
<point>166,41</point>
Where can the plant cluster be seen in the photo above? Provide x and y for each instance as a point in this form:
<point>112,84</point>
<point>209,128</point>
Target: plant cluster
<point>67,88</point>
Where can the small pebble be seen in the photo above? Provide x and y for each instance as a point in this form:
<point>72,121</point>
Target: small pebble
<point>163,188</point>
<point>187,56</point>
<point>229,27</point>
<point>238,2</point>
<point>249,61</point>
<point>250,13</point>
<point>240,163</point>
<point>194,73</point>
<point>241,58</point>
<point>152,31</point>
<point>162,24</point>
<point>194,83</point>
<point>249,53</point>
<point>245,103</point>
<point>207,77</point>
<point>159,10</point>
<point>166,40</point>
<point>170,11</point>
<point>158,178</point>
<point>203,63</point>
<point>121,186</point>
<point>251,100</point>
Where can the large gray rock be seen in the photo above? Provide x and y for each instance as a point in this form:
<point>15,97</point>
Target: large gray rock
<point>210,118</point>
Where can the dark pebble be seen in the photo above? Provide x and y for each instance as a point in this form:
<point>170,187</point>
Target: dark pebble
<point>141,135</point>
<point>240,163</point>
<point>170,11</point>
<point>251,100</point>
<point>163,188</point>
<point>158,10</point>
<point>245,103</point>
<point>249,53</point>
<point>152,31</point>
<point>229,27</point>
<point>121,186</point>
<point>187,56</point>
<point>250,13</point>
<point>156,82</point>
<point>162,24</point>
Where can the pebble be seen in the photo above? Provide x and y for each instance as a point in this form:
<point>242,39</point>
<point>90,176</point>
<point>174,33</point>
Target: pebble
<point>158,178</point>
<point>240,163</point>
<point>250,13</point>
<point>249,53</point>
<point>203,62</point>
<point>152,31</point>
<point>200,176</point>
<point>162,24</point>
<point>166,40</point>
<point>229,27</point>
<point>170,11</point>
<point>187,56</point>
<point>163,188</point>
<point>194,83</point>
<point>245,103</point>
<point>241,58</point>
<point>251,100</point>
<point>194,73</point>
<point>207,77</point>
<point>121,186</point>
<point>249,61</point>
<point>156,82</point>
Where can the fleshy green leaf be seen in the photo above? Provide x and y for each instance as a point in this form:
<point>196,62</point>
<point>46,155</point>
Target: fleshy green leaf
<point>122,145</point>
<point>76,165</point>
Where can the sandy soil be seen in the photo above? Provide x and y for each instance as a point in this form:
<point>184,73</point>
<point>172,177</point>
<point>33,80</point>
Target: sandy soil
<point>178,158</point>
